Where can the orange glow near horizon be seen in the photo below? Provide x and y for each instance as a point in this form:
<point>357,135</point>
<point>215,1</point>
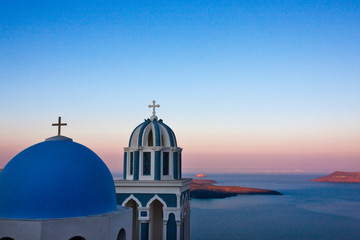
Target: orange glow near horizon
<point>247,155</point>
<point>227,151</point>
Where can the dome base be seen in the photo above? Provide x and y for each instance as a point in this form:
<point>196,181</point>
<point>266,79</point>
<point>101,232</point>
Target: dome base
<point>58,138</point>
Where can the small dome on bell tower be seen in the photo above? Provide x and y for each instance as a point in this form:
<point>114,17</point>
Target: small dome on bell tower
<point>152,153</point>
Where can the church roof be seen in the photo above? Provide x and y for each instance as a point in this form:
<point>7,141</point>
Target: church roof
<point>161,133</point>
<point>57,178</point>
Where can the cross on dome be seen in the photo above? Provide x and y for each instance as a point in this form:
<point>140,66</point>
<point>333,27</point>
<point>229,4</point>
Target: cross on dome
<point>153,106</point>
<point>59,124</point>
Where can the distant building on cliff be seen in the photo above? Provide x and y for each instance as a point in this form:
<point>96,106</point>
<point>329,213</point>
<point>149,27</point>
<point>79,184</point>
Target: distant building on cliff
<point>153,186</point>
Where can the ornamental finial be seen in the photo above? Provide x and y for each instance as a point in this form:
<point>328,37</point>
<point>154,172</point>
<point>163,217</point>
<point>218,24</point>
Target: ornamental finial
<point>153,106</point>
<point>59,124</point>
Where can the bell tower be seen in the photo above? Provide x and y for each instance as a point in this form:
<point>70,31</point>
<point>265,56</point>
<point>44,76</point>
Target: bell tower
<point>153,185</point>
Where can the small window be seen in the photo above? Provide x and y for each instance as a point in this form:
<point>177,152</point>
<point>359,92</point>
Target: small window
<point>147,163</point>
<point>131,163</point>
<point>165,163</point>
<point>150,139</point>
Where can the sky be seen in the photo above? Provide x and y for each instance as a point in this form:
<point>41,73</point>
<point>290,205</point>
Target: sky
<point>247,86</point>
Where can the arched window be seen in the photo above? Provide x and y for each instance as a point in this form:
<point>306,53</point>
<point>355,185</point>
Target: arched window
<point>150,139</point>
<point>162,140</point>
<point>77,238</point>
<point>122,235</point>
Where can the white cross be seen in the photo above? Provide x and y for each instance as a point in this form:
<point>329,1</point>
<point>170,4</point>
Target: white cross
<point>154,106</point>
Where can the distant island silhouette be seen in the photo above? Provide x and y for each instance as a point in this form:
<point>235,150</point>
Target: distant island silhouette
<point>205,188</point>
<point>340,177</point>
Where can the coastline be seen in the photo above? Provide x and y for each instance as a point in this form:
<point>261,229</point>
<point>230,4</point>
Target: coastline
<point>204,189</point>
<point>339,177</point>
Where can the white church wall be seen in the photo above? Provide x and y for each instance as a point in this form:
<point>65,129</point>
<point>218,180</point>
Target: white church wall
<point>29,229</point>
<point>106,227</point>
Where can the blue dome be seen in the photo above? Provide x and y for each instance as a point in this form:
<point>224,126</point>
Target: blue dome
<point>56,179</point>
<point>160,133</point>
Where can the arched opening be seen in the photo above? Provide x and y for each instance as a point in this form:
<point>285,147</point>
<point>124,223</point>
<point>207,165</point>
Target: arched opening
<point>156,220</point>
<point>135,223</point>
<point>121,235</point>
<point>6,238</point>
<point>171,228</point>
<point>150,139</point>
<point>162,140</point>
<point>77,238</point>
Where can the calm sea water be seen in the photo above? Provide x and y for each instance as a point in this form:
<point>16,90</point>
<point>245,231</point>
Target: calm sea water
<point>307,211</point>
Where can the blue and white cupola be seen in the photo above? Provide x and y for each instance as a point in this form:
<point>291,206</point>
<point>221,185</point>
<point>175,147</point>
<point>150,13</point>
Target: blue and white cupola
<point>152,153</point>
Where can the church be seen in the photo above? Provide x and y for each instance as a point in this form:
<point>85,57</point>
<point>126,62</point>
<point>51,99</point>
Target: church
<point>61,190</point>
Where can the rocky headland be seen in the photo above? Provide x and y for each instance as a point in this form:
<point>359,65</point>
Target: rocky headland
<point>340,177</point>
<point>205,188</point>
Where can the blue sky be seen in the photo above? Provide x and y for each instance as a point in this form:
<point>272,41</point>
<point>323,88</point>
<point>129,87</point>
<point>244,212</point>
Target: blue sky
<point>235,76</point>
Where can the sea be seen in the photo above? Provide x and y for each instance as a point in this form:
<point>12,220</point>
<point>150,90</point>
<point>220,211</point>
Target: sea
<point>306,210</point>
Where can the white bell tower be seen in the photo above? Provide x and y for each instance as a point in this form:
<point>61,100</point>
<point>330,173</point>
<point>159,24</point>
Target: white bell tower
<point>153,186</point>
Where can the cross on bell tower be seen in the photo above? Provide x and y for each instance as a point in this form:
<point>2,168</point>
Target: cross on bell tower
<point>153,106</point>
<point>59,124</point>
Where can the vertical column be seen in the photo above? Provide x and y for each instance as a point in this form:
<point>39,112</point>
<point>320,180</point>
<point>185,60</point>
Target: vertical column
<point>136,165</point>
<point>175,165</point>
<point>157,165</point>
<point>125,165</point>
<point>144,230</point>
<point>178,228</point>
<point>164,230</point>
